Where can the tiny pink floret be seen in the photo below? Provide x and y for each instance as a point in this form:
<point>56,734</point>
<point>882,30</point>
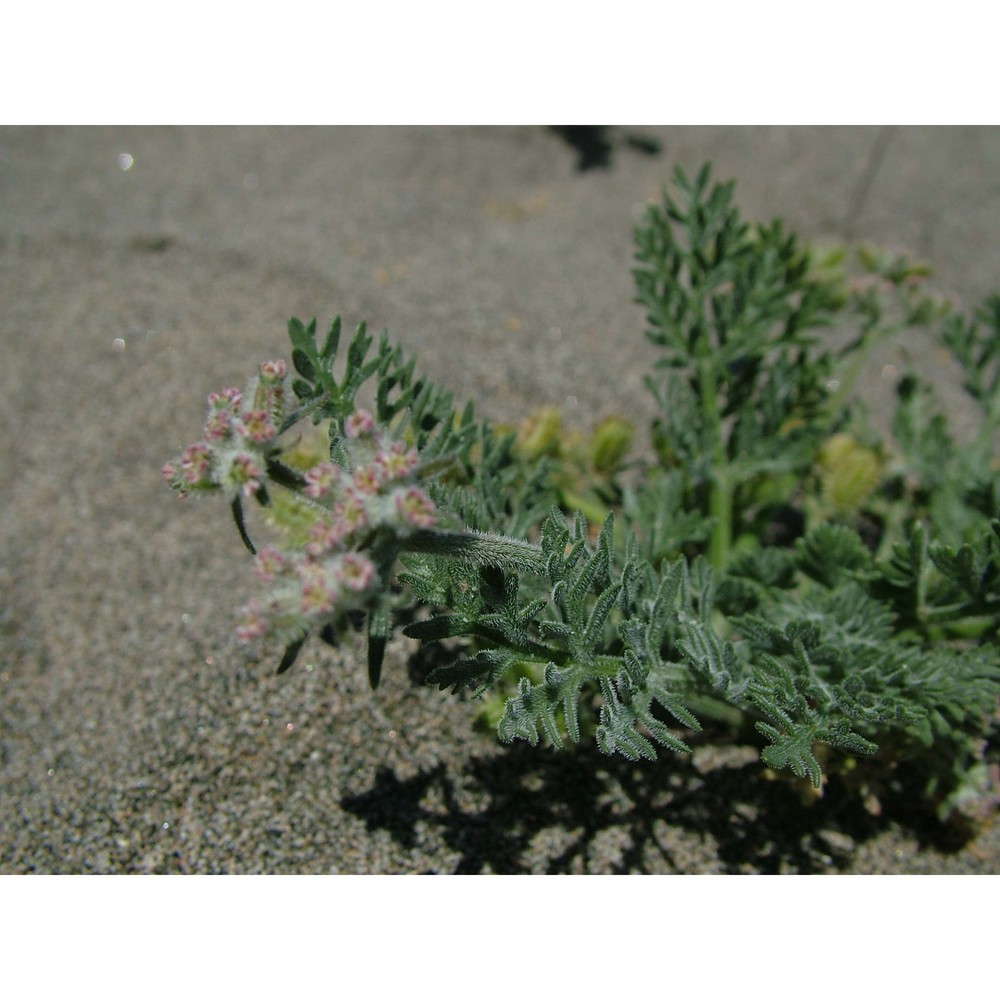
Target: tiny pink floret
<point>397,461</point>
<point>218,425</point>
<point>268,564</point>
<point>257,426</point>
<point>273,371</point>
<point>324,536</point>
<point>367,481</point>
<point>321,479</point>
<point>228,399</point>
<point>318,597</point>
<point>359,424</point>
<point>415,507</point>
<point>196,463</point>
<point>254,625</point>
<point>245,474</point>
<point>351,513</point>
<point>356,572</point>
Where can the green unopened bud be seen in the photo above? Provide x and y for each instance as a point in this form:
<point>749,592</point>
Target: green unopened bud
<point>849,471</point>
<point>928,309</point>
<point>609,443</point>
<point>293,515</point>
<point>828,258</point>
<point>540,433</point>
<point>664,444</point>
<point>893,267</point>
<point>310,447</point>
<point>869,259</point>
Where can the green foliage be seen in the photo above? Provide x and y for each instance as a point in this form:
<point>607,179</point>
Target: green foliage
<point>734,309</point>
<point>773,568</point>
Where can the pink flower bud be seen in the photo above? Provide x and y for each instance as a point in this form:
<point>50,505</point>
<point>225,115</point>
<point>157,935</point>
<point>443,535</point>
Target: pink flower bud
<point>321,479</point>
<point>355,572</point>
<point>367,480</point>
<point>244,473</point>
<point>268,564</point>
<point>273,371</point>
<point>228,399</point>
<point>324,536</point>
<point>351,513</point>
<point>318,596</point>
<point>253,624</point>
<point>196,464</point>
<point>218,426</point>
<point>257,426</point>
<point>415,508</point>
<point>397,461</point>
<point>360,423</point>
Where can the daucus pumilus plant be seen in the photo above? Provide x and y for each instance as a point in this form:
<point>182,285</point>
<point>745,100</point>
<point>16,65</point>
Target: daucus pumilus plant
<point>774,564</point>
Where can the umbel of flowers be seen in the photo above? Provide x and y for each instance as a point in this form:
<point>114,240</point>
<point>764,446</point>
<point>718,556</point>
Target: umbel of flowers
<point>361,511</point>
<point>238,438</point>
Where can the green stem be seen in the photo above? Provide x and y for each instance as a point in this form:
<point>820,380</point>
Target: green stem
<point>720,495</point>
<point>720,506</point>
<point>722,712</point>
<point>477,547</point>
<point>535,652</point>
<point>968,618</point>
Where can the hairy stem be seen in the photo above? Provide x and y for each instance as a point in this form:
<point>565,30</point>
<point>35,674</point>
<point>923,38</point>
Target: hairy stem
<point>479,548</point>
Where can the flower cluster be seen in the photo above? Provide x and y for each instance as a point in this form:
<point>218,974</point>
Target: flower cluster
<point>237,439</point>
<point>305,591</point>
<point>359,510</point>
<point>356,507</point>
<point>375,488</point>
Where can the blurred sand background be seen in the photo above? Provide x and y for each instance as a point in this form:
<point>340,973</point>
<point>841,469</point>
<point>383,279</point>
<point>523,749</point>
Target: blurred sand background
<point>142,268</point>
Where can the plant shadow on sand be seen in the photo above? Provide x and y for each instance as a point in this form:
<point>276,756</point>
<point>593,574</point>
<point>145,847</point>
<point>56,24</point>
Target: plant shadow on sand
<point>578,811</point>
<point>595,145</point>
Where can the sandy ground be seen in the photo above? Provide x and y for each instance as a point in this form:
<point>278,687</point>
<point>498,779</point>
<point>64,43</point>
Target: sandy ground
<point>143,268</point>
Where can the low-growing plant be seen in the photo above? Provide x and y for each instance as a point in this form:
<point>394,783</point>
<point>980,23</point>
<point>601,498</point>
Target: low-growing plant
<point>773,567</point>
